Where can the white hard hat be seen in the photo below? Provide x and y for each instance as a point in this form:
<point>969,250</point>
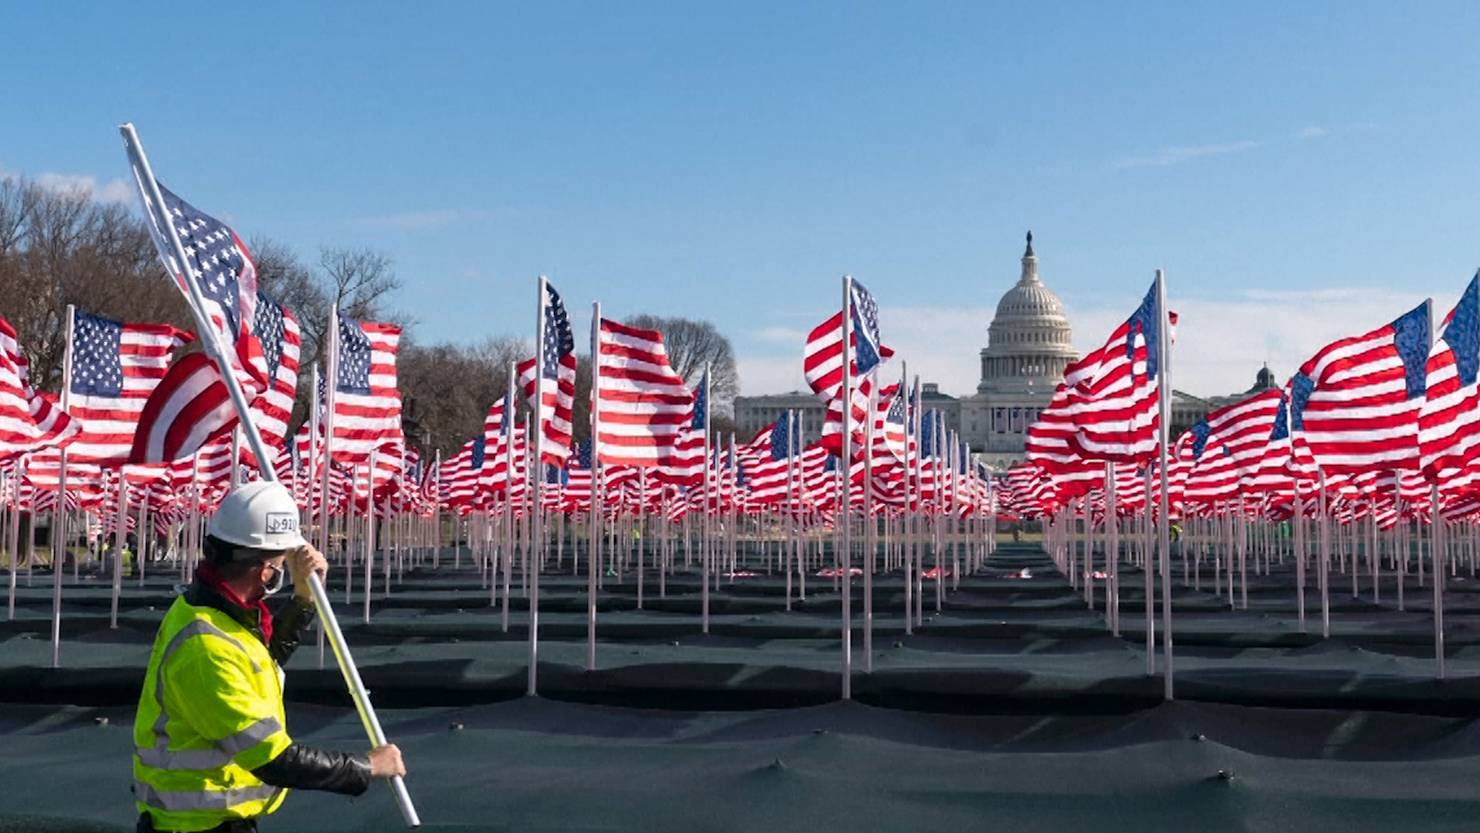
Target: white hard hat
<point>260,515</point>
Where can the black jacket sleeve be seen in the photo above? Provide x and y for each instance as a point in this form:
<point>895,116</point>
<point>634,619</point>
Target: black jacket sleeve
<point>290,623</point>
<point>302,767</point>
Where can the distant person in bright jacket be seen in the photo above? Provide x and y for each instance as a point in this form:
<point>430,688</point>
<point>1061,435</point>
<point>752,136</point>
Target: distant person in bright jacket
<point>211,745</point>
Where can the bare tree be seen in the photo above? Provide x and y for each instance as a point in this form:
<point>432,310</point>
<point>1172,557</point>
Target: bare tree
<point>358,281</point>
<point>447,389</point>
<point>692,346</point>
<point>61,247</point>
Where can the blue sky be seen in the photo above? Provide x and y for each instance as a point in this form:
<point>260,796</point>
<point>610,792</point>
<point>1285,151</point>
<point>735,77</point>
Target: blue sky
<point>1302,171</point>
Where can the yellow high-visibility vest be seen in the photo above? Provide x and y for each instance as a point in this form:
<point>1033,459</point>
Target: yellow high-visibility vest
<point>210,712</point>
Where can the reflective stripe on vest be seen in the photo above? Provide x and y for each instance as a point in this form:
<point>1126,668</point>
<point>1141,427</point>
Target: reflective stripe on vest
<point>159,755</point>
<point>186,800</point>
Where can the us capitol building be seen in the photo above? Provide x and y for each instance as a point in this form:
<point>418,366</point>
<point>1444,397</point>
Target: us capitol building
<point>1029,343</point>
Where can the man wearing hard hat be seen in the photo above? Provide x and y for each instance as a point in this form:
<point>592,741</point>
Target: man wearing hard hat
<point>211,746</point>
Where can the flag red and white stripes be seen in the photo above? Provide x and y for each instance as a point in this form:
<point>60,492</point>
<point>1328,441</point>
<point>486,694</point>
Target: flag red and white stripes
<point>1449,418</point>
<point>645,404</point>
<point>282,343</point>
<point>28,420</point>
<point>1112,391</point>
<point>367,405</point>
<point>1355,404</point>
<point>115,366</point>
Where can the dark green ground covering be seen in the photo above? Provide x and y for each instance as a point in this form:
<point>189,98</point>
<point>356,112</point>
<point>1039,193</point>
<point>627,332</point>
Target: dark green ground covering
<point>1012,708</point>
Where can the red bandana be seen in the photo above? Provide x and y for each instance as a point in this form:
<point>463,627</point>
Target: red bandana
<point>207,574</point>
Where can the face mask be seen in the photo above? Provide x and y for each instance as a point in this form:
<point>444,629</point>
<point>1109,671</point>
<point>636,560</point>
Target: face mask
<point>277,581</point>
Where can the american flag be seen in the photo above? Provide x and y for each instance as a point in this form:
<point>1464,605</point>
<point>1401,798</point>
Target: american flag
<point>890,448</point>
<point>458,477</point>
<point>367,405</point>
<point>28,420</point>
<point>685,465</point>
<point>186,409</point>
<point>1049,441</point>
<point>496,438</point>
<point>218,263</point>
<point>115,367</point>
<point>578,479</point>
<point>1276,468</point>
<point>1449,419</point>
<point>1228,445</point>
<point>1355,404</point>
<point>822,363</point>
<point>282,344</point>
<point>767,474</point>
<point>644,405</point>
<point>557,401</point>
<point>1112,391</point>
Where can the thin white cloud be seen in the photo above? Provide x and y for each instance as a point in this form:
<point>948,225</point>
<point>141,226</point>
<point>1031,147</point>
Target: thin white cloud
<point>1174,155</point>
<point>419,220</point>
<point>114,190</point>
<point>1312,132</point>
<point>785,336</point>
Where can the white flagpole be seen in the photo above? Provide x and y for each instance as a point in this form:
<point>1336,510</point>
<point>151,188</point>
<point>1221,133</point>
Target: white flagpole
<point>788,552</point>
<point>119,538</point>
<point>325,455</point>
<point>1163,407</point>
<point>236,456</point>
<point>911,490</point>
<point>868,537</point>
<point>15,532</point>
<point>369,533</point>
<point>706,555</point>
<point>511,433</point>
<point>914,614</point>
<point>845,508</point>
<point>59,517</point>
<point>1436,545</point>
<point>149,188</point>
<point>436,530</point>
<point>316,470</point>
<point>1112,553</point>
<point>1324,566</point>
<point>537,472</point>
<point>595,513</point>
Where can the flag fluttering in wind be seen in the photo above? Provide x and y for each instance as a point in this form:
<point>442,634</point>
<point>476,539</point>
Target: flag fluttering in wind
<point>220,268</point>
<point>367,405</point>
<point>644,403</point>
<point>1112,391</point>
<point>1355,404</point>
<point>822,363</point>
<point>187,409</point>
<point>28,420</point>
<point>115,366</point>
<point>557,395</point>
<point>1227,446</point>
<point>1449,419</point>
<point>282,343</point>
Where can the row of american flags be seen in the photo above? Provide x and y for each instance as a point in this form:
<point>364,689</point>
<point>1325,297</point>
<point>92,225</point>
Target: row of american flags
<point>141,415</point>
<point>1380,422</point>
<point>1373,420</point>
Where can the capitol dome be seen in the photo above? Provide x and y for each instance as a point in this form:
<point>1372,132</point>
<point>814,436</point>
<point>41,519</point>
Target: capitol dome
<point>1029,342</point>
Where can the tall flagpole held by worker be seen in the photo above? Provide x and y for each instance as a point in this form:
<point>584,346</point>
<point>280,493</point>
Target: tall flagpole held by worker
<point>149,190</point>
